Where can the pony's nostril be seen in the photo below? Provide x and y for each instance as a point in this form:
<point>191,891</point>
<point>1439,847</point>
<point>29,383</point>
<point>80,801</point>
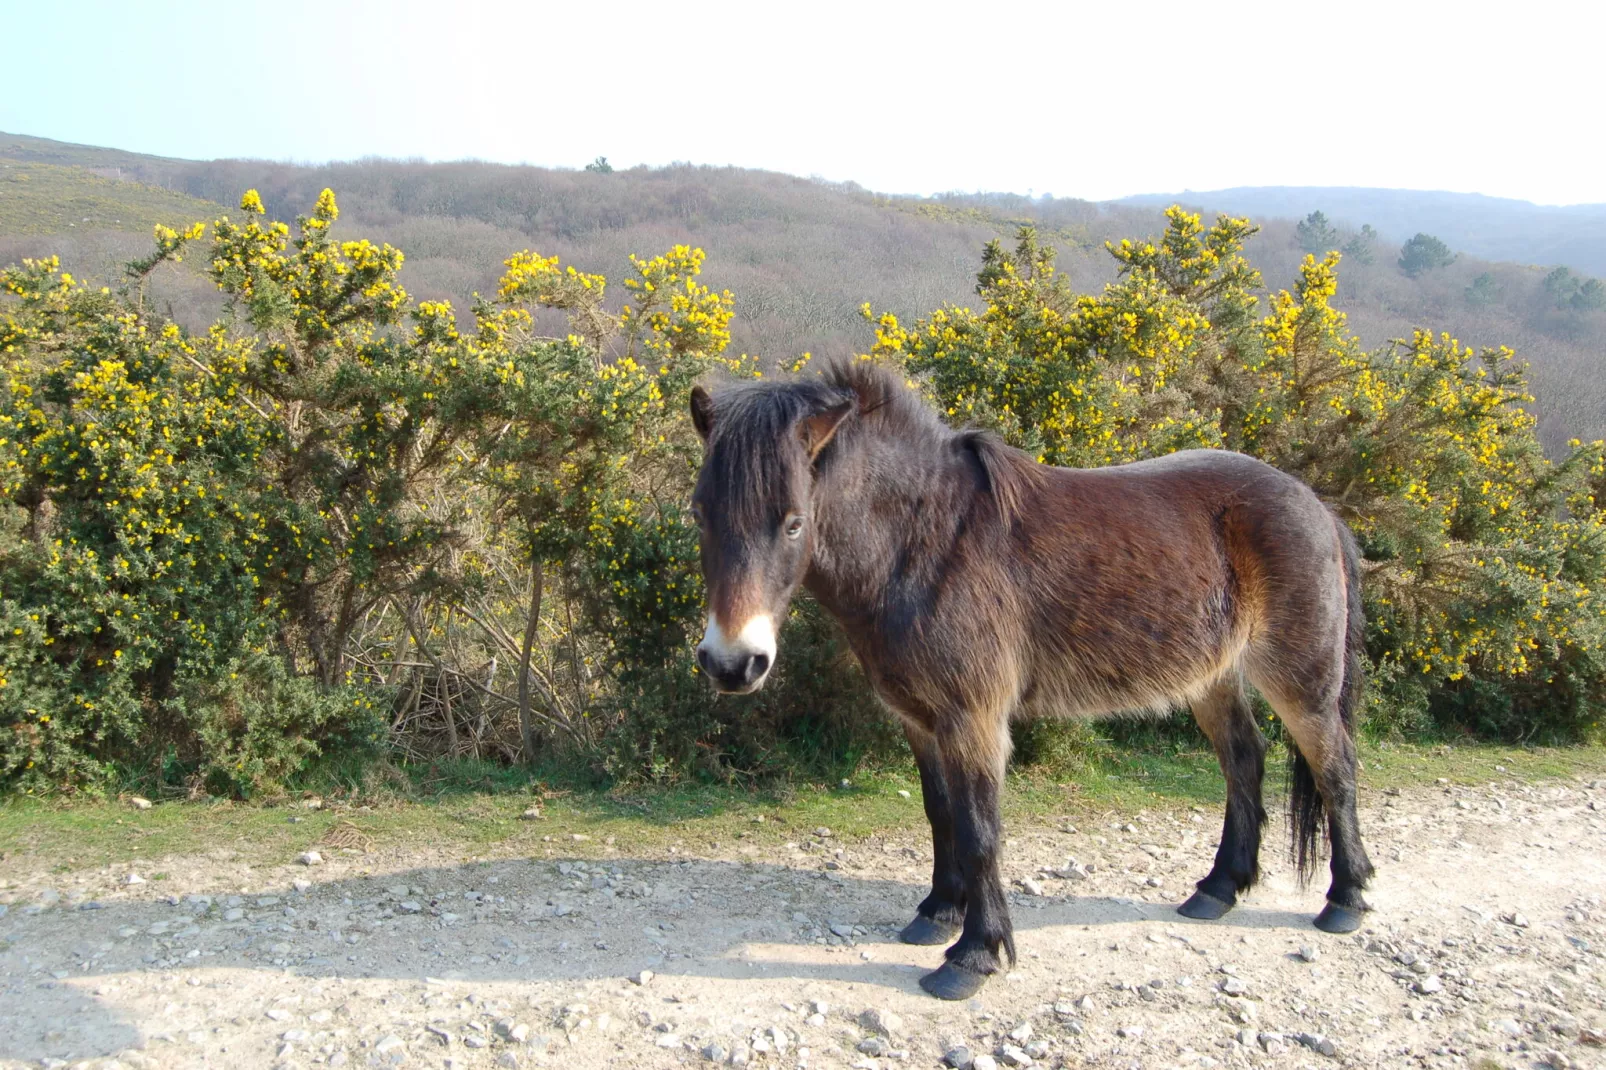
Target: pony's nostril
<point>757,666</point>
<point>702,658</point>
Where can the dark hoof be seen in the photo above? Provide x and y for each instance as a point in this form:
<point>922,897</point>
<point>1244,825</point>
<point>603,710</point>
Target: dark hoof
<point>950,982</point>
<point>1203,907</point>
<point>1337,919</point>
<point>927,931</point>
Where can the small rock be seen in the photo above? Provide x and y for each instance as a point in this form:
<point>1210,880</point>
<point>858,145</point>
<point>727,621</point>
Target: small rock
<point>883,1022</point>
<point>532,814</point>
<point>871,1046</point>
<point>1429,985</point>
<point>1130,1032</point>
<point>959,1058</point>
<point>389,1043</point>
<point>1234,986</point>
<point>820,1006</point>
<point>409,906</point>
<point>134,878</point>
<point>139,803</point>
<point>1317,1043</point>
<point>984,1062</point>
<point>642,978</point>
<point>668,1040</point>
<point>301,884</point>
<point>1308,953</point>
<point>507,1059</point>
<point>902,794</point>
<point>1013,1056</point>
<point>1021,1033</point>
<point>279,1014</point>
<point>234,914</point>
<point>1594,1037</point>
<point>310,858</point>
<point>1507,1026</point>
<point>714,1053</point>
<point>1031,886</point>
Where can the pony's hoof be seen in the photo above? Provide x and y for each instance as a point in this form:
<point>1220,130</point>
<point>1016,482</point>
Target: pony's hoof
<point>927,931</point>
<point>951,982</point>
<point>1337,919</point>
<point>1203,907</point>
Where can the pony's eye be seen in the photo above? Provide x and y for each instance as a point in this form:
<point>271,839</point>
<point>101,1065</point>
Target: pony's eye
<point>794,527</point>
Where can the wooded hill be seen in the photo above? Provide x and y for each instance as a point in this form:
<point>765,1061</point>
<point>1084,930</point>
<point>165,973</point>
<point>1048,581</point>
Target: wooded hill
<point>1494,228</point>
<point>801,256</point>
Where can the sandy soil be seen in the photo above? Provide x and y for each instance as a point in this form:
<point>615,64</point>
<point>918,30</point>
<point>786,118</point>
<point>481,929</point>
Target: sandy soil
<point>1486,945</point>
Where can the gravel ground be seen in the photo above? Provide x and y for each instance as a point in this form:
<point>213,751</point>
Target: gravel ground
<point>1485,950</point>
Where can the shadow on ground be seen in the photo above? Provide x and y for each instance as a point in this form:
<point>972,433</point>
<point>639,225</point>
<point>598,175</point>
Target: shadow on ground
<point>516,921</point>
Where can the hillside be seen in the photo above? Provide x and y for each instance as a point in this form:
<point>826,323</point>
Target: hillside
<point>1493,228</point>
<point>42,198</point>
<point>801,256</point>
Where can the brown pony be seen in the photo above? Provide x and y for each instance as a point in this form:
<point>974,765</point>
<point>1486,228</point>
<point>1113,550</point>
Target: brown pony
<point>977,585</point>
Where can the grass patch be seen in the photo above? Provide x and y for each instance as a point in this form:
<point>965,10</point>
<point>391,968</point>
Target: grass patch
<point>475,808</point>
<point>41,198</point>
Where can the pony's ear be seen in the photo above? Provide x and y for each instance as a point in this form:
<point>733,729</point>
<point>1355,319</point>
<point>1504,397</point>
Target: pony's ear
<point>816,430</point>
<point>702,412</point>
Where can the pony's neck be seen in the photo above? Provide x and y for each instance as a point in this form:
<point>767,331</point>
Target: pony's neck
<point>882,505</point>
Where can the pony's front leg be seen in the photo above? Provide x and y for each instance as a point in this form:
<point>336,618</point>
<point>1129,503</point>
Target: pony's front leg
<point>973,770</point>
<point>943,911</point>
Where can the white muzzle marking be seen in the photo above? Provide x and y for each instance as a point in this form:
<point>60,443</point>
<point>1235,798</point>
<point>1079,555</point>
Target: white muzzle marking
<point>757,636</point>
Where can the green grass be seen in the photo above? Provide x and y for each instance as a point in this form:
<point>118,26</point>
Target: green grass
<point>42,198</point>
<point>475,808</point>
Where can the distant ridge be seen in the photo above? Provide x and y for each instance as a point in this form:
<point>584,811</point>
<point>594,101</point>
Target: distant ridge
<point>803,256</point>
<point>1493,228</point>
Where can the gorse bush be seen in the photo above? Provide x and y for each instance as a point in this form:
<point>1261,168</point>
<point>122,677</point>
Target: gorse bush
<point>343,521</point>
<point>1485,559</point>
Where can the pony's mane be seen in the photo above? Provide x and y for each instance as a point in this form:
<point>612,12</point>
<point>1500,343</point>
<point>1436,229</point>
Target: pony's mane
<point>752,418</point>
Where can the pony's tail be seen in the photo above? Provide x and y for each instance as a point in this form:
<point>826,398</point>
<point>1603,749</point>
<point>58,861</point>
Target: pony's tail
<point>1306,812</point>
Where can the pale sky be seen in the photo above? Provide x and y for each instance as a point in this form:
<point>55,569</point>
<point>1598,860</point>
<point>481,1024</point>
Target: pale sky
<point>1080,100</point>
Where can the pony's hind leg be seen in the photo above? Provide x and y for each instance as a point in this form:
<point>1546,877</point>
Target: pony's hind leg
<point>1225,716</point>
<point>943,911</point>
<point>973,770</point>
<point>1323,779</point>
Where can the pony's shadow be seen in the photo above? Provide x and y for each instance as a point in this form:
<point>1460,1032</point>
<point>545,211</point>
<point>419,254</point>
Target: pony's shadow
<point>714,919</point>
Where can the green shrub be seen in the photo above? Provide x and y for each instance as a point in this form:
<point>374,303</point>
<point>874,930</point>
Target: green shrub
<point>1484,559</point>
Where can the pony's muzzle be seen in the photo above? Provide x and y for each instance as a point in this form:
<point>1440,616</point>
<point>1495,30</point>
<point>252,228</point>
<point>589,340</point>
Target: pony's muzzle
<point>737,664</point>
<point>746,674</point>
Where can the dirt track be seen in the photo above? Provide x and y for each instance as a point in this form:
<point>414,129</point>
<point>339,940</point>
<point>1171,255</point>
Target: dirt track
<point>1486,943</point>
